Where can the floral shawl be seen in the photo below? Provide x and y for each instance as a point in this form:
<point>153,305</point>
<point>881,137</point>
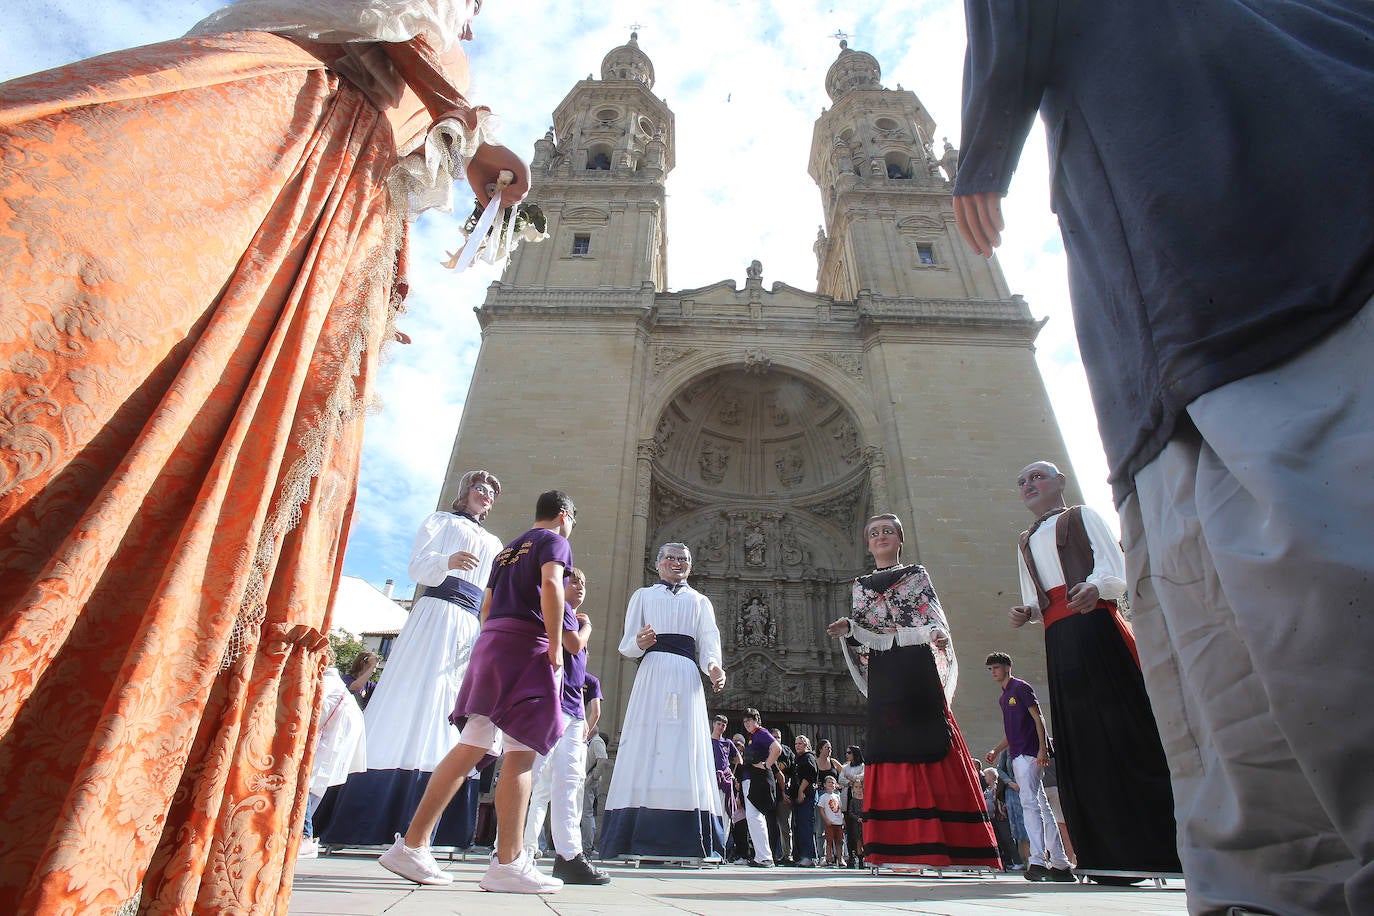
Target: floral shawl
<point>898,607</point>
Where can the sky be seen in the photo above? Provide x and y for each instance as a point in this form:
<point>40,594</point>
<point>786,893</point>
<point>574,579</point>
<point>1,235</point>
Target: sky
<point>745,80</point>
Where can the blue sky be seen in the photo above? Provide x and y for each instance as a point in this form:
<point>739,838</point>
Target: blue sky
<point>745,80</point>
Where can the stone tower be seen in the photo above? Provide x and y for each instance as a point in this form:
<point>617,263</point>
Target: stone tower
<point>762,424</point>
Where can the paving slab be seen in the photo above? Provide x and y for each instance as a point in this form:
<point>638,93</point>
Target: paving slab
<point>353,884</point>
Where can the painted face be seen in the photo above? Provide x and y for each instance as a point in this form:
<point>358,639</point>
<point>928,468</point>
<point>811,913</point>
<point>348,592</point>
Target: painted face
<point>675,565</point>
<point>883,537</point>
<point>1041,487</point>
<point>481,497</point>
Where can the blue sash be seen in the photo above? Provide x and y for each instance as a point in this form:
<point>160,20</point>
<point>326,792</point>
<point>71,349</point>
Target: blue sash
<point>459,591</point>
<point>676,643</point>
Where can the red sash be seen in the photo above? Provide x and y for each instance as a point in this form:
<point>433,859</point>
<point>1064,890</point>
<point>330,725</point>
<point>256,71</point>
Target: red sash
<point>1059,609</point>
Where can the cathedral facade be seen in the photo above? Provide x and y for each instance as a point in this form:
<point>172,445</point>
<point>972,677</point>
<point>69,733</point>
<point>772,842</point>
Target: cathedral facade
<point>761,425</point>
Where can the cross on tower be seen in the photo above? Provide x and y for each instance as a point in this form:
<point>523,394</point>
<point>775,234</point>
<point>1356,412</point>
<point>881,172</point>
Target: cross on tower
<point>843,37</point>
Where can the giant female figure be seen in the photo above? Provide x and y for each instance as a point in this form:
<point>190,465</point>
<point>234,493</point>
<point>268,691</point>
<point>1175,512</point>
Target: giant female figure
<point>199,250</point>
<point>923,800</point>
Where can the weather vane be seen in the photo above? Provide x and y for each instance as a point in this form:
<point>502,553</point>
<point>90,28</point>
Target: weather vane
<point>842,36</point>
<point>635,27</point>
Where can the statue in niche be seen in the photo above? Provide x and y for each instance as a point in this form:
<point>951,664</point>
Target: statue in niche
<point>777,412</point>
<point>755,546</point>
<point>754,270</point>
<point>790,466</point>
<point>756,626</point>
<point>729,409</point>
<point>713,460</point>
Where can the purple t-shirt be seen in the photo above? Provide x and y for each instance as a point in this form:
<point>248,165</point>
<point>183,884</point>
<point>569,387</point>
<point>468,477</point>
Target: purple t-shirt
<point>516,573</point>
<point>591,687</point>
<point>574,671</point>
<point>1016,701</point>
<point>756,746</point>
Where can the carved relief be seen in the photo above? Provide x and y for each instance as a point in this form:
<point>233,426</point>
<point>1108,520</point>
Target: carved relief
<point>845,362</point>
<point>757,361</point>
<point>841,509</point>
<point>669,503</point>
<point>848,439</point>
<point>697,389</point>
<point>793,554</point>
<point>713,549</point>
<point>714,458</point>
<point>776,412</point>
<point>790,466</point>
<point>665,356</point>
<point>664,431</point>
<point>729,409</point>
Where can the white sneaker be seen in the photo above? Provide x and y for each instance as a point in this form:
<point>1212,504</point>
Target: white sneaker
<point>309,848</point>
<point>416,865</point>
<point>518,877</point>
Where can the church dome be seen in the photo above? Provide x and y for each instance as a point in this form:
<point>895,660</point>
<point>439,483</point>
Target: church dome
<point>628,62</point>
<point>852,70</point>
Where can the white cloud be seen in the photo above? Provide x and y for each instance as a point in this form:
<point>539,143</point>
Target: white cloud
<point>745,79</point>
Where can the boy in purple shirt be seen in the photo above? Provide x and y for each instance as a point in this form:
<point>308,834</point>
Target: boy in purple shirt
<point>559,774</point>
<point>510,694</point>
<point>760,754</point>
<point>1029,751</point>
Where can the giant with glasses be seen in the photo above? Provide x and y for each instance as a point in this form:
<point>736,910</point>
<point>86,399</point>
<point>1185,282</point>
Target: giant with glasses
<point>664,801</point>
<point>923,801</point>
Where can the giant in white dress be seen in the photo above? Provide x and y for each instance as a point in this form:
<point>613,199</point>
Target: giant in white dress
<point>663,800</point>
<point>408,731</point>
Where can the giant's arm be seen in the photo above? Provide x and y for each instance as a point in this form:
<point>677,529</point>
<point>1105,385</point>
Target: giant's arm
<point>1005,71</point>
<point>1109,565</point>
<point>708,636</point>
<point>428,561</point>
<point>634,622</point>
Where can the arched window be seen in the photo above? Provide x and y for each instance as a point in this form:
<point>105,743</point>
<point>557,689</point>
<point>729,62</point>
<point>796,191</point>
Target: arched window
<point>898,165</point>
<point>599,158</point>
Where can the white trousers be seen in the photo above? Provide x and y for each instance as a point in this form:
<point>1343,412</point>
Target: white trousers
<point>1046,845</point>
<point>1250,551</point>
<point>758,826</point>
<point>557,784</point>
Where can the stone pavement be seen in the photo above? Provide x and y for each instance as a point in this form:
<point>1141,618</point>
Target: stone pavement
<point>344,884</point>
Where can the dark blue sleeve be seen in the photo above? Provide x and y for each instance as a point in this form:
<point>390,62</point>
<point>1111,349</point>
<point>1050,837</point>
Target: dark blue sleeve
<point>1006,67</point>
<point>591,688</point>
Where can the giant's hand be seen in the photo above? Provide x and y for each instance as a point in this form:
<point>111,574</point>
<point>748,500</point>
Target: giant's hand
<point>839,629</point>
<point>979,217</point>
<point>717,675</point>
<point>1019,615</point>
<point>487,164</point>
<point>1083,597</point>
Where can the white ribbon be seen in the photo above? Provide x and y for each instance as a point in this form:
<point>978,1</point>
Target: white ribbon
<point>469,252</point>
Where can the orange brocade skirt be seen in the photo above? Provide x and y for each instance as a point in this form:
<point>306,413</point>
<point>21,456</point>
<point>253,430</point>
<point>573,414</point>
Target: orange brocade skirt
<point>196,271</point>
<point>928,813</point>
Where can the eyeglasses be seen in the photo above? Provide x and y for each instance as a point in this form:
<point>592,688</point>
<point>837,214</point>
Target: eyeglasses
<point>484,490</point>
<point>571,513</point>
<point>682,561</point>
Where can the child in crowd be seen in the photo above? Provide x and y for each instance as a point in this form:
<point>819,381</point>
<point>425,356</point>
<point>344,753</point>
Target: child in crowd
<point>832,811</point>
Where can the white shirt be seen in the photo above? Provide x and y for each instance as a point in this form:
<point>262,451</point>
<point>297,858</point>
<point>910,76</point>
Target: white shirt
<point>1109,565</point>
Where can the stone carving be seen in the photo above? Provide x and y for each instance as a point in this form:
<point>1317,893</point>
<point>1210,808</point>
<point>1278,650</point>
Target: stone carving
<point>669,504</point>
<point>713,549</point>
<point>845,362</point>
<point>950,160</point>
<point>791,466</point>
<point>665,356</point>
<point>757,361</point>
<point>756,626</point>
<point>664,431</point>
<point>755,270</point>
<point>776,411</point>
<point>755,546</point>
<point>841,509</point>
<point>696,389</point>
<point>729,409</point>
<point>714,458</point>
<point>848,439</point>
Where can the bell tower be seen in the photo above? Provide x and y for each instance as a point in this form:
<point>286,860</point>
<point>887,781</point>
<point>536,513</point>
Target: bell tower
<point>599,176</point>
<point>886,193</point>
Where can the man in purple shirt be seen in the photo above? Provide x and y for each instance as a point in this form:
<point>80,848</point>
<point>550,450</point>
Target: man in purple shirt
<point>761,752</point>
<point>1024,740</point>
<point>510,694</point>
